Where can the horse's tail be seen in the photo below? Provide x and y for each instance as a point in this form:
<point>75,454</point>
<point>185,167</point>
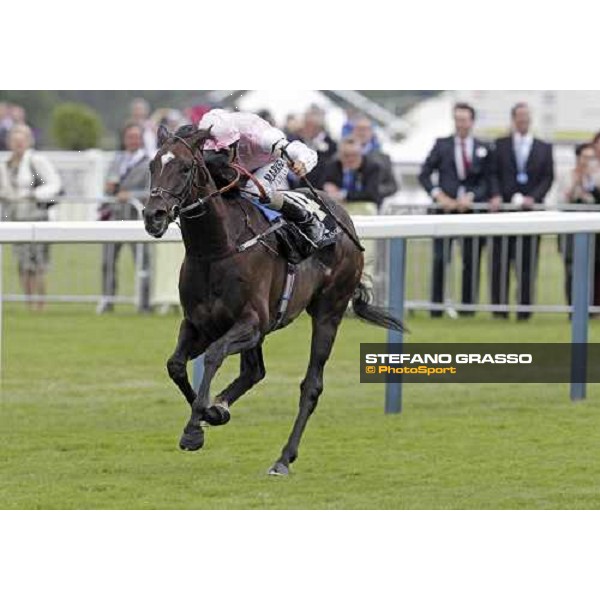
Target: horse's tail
<point>363,309</point>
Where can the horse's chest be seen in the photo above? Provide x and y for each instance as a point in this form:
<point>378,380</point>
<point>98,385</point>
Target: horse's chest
<point>210,297</point>
<point>207,301</point>
<point>210,313</point>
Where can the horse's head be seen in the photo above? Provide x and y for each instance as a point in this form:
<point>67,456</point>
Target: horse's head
<point>178,176</point>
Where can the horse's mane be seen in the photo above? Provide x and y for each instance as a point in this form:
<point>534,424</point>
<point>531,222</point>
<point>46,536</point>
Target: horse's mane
<point>187,131</point>
<point>219,167</point>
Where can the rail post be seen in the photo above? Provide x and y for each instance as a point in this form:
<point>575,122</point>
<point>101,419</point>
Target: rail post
<point>580,316</point>
<point>393,390</point>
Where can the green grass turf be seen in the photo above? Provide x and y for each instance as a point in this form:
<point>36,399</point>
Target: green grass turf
<point>89,419</point>
<point>549,283</point>
<point>74,270</point>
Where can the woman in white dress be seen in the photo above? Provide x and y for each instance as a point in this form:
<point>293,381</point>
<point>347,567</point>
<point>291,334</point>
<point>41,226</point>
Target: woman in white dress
<point>28,186</point>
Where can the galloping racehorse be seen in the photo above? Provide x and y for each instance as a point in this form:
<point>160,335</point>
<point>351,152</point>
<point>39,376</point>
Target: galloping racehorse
<point>234,286</point>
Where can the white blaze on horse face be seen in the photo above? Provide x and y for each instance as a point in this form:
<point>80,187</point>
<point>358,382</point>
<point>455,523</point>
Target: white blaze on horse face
<point>165,159</point>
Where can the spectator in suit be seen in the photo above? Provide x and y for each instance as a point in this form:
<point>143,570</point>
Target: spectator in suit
<point>139,113</point>
<point>315,136</point>
<point>581,186</point>
<point>354,180</point>
<point>462,164</point>
<point>128,180</point>
<point>29,184</point>
<point>523,174</point>
<point>363,132</point>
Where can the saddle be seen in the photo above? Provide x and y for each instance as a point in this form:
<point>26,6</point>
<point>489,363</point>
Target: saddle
<point>293,245</point>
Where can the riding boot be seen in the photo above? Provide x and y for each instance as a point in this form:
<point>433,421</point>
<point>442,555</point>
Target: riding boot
<point>307,222</point>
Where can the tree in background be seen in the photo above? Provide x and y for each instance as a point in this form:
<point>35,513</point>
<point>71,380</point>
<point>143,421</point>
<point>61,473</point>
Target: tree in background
<point>76,126</point>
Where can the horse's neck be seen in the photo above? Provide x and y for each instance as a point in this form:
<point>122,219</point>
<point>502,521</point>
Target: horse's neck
<point>212,234</point>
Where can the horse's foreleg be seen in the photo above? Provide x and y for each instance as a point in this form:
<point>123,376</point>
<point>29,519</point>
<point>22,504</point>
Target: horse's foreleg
<point>252,370</point>
<point>242,336</point>
<point>190,345</point>
<point>323,337</point>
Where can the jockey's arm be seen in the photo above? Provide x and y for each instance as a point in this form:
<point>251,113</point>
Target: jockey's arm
<point>304,160</point>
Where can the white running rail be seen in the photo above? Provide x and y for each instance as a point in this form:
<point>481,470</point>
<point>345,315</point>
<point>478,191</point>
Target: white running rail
<point>380,227</point>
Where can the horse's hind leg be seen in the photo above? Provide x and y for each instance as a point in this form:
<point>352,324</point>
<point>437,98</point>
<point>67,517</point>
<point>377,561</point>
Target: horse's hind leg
<point>190,345</point>
<point>325,329</point>
<point>252,371</point>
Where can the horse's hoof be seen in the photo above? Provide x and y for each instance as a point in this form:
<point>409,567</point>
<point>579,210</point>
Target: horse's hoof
<point>192,441</point>
<point>216,415</point>
<point>279,470</point>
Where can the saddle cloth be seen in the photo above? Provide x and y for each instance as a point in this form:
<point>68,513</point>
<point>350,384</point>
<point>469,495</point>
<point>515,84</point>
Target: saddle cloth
<point>269,214</point>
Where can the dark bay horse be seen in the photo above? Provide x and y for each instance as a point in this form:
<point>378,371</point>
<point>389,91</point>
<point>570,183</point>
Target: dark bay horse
<point>231,299</point>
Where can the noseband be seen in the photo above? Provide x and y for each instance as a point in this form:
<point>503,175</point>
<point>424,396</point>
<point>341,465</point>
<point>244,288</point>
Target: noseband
<point>180,209</point>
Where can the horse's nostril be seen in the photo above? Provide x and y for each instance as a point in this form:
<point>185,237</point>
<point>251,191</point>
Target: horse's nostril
<point>154,215</point>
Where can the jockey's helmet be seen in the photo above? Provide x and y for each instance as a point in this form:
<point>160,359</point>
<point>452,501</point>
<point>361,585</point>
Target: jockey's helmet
<point>224,132</point>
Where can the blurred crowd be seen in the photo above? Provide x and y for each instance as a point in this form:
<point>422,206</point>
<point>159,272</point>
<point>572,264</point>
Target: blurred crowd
<point>354,171</point>
<point>11,115</point>
<point>462,174</point>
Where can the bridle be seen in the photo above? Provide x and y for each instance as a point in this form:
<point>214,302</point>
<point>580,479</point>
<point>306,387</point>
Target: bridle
<point>180,209</point>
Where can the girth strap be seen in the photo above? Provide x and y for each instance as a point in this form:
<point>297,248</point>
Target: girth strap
<point>261,236</point>
<point>288,289</point>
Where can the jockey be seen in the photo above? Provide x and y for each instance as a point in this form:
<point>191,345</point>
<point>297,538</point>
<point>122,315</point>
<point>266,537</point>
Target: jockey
<point>258,147</point>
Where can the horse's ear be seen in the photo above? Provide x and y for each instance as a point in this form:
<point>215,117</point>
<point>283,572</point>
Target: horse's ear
<point>163,135</point>
<point>197,140</point>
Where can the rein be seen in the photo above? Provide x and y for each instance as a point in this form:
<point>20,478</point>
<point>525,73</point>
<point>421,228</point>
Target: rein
<point>202,201</point>
<point>183,211</point>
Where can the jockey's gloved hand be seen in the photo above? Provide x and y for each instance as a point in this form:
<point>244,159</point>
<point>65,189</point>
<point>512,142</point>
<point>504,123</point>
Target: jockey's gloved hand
<point>304,160</point>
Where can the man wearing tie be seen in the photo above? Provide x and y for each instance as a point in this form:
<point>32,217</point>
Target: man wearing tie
<point>128,178</point>
<point>523,172</point>
<point>462,163</point>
